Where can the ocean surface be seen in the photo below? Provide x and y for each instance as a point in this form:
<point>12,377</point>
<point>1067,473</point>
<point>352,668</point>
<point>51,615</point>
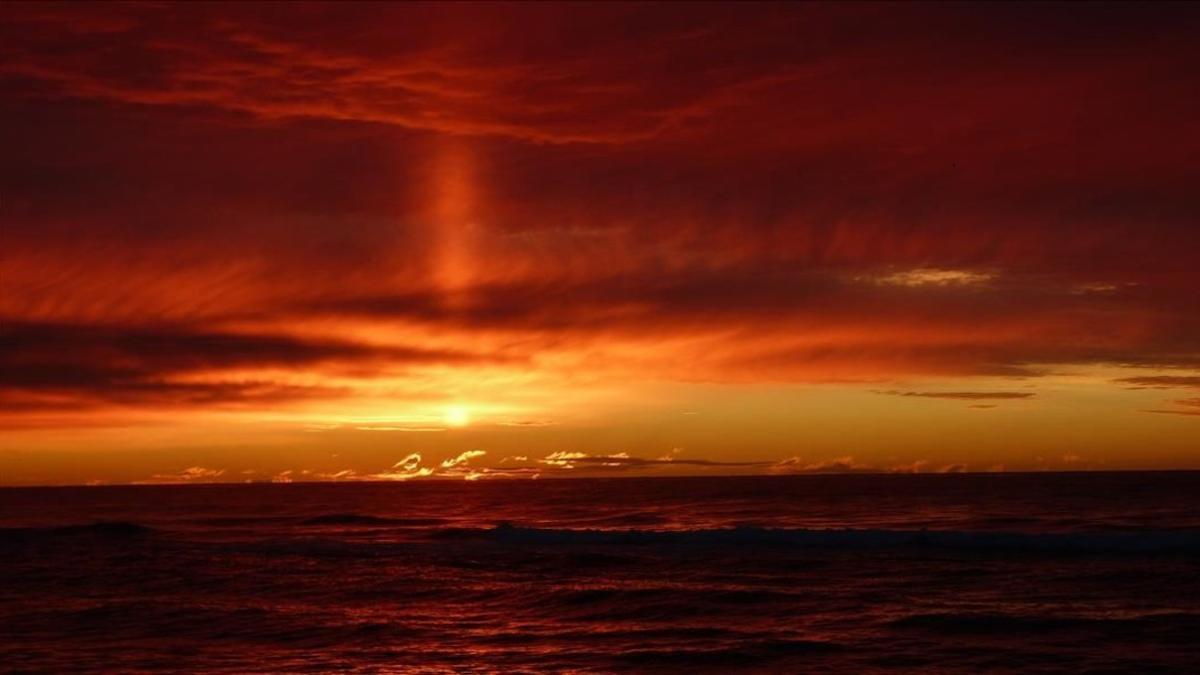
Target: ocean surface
<point>854,573</point>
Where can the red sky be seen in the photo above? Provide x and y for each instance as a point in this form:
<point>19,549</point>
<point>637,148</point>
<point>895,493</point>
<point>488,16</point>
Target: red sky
<point>253,241</point>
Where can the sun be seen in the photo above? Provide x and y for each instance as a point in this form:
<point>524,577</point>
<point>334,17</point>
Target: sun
<point>457,416</point>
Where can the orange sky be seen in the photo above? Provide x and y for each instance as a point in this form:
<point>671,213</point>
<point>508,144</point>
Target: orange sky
<point>339,241</point>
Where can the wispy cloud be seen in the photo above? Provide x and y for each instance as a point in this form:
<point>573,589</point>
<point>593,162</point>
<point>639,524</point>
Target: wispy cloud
<point>1185,406</point>
<point>408,468</point>
<point>838,465</point>
<point>933,277</point>
<point>399,428</point>
<point>963,395</point>
<point>80,366</point>
<point>1161,381</point>
<point>192,474</point>
<point>622,460</point>
<point>851,465</point>
<point>462,459</point>
<point>1188,406</point>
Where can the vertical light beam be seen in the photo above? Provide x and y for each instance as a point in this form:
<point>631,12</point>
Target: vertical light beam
<point>452,209</point>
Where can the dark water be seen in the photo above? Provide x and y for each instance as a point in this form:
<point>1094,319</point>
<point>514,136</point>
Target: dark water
<point>1019,573</point>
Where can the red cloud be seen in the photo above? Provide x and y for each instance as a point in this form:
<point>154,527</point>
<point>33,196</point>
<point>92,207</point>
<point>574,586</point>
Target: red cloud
<point>763,193</point>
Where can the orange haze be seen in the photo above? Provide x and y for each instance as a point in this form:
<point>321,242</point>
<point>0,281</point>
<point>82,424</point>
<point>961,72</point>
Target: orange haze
<point>398,241</point>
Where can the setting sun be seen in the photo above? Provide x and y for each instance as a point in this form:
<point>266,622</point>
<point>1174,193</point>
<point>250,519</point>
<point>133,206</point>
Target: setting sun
<point>457,416</point>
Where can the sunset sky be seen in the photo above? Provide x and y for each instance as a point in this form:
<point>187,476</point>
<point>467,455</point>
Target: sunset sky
<point>395,241</point>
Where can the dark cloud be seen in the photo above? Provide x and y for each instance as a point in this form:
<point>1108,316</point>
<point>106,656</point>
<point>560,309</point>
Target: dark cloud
<point>1165,411</point>
<point>1161,381</point>
<point>104,390</point>
<point>65,365</point>
<point>573,74</point>
<point>1187,406</point>
<point>796,322</point>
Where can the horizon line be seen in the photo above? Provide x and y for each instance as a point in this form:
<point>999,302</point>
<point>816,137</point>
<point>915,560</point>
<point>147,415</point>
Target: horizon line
<point>445,479</point>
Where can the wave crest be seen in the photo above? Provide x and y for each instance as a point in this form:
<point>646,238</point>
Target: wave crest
<point>1082,542</point>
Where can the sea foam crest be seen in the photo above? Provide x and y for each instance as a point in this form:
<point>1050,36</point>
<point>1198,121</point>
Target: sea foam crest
<point>1091,542</point>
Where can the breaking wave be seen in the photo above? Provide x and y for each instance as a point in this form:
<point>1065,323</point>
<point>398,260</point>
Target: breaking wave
<point>980,623</point>
<point>1082,542</point>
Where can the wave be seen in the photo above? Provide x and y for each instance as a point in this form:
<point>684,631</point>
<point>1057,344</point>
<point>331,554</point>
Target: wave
<point>240,521</point>
<point>980,623</point>
<point>748,653</point>
<point>369,521</point>
<point>99,530</point>
<point>436,529</point>
<point>1082,542</point>
<point>326,519</point>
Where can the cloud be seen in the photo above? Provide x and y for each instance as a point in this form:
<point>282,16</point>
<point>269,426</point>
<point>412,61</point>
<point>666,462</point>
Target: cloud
<point>964,395</point>
<point>461,460</point>
<point>1161,381</point>
<point>917,466</point>
<point>398,428</point>
<point>562,464</point>
<point>407,468</point>
<point>1189,406</point>
<point>843,465</point>
<point>1186,406</point>
<point>759,320</point>
<point>839,465</point>
<point>526,423</point>
<point>192,474</point>
<point>410,462</point>
<point>554,75</point>
<point>623,461</point>
<point>563,459</point>
<point>933,277</point>
<point>236,62</point>
<point>402,475</point>
<point>79,366</point>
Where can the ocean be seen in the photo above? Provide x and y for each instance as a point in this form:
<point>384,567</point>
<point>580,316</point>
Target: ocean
<point>1086,572</point>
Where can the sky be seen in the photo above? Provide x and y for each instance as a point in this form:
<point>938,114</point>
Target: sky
<point>284,241</point>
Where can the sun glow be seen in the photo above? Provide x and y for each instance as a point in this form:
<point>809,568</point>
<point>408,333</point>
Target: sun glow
<point>457,416</point>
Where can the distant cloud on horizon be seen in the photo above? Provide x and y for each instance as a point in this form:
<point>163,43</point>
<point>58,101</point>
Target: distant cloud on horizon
<point>963,395</point>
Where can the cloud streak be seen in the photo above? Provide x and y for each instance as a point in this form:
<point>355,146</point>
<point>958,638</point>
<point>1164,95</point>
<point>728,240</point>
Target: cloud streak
<point>964,395</point>
<point>77,365</point>
<point>1161,381</point>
